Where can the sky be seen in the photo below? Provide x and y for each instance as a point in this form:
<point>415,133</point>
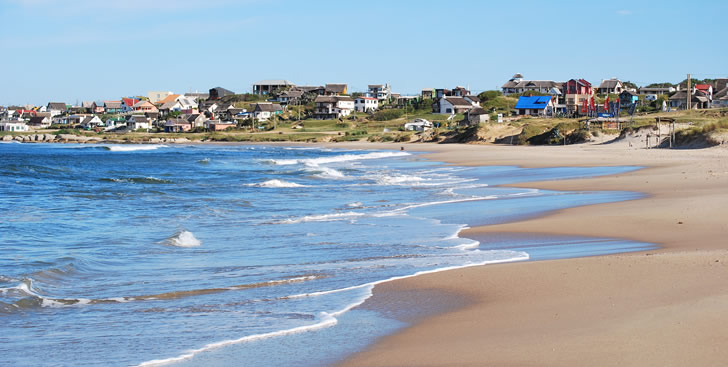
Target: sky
<point>71,51</point>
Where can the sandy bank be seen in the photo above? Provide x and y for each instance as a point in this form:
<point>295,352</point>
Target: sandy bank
<point>666,308</point>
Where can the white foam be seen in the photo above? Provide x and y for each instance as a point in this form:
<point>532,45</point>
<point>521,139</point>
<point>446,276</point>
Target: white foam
<point>184,239</point>
<point>275,183</point>
<point>356,204</point>
<point>133,147</point>
<point>322,218</point>
<point>338,158</point>
<point>325,172</point>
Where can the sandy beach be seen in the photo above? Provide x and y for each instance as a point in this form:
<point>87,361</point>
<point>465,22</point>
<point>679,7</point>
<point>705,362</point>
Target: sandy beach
<point>666,307</point>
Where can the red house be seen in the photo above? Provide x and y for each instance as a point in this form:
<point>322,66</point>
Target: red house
<point>576,91</point>
<point>577,86</point>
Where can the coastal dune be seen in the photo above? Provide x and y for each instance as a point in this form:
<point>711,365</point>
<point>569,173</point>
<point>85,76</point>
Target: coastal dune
<point>666,307</point>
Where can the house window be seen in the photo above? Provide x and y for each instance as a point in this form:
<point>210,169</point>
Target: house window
<point>449,110</point>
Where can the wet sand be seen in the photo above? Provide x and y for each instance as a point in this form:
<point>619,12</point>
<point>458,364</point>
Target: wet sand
<point>665,307</point>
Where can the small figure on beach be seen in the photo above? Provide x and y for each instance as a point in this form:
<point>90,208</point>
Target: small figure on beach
<point>401,148</point>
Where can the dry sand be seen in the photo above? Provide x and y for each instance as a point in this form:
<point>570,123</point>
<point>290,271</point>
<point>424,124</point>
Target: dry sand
<point>667,307</point>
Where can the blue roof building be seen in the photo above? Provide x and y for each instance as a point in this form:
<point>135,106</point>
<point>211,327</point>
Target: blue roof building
<point>535,106</point>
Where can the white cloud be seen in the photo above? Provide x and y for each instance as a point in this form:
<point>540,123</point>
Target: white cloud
<point>624,12</point>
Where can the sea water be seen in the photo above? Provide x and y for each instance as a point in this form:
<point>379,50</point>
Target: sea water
<point>241,255</point>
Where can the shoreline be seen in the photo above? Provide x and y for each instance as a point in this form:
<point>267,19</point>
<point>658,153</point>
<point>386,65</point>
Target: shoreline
<point>682,217</point>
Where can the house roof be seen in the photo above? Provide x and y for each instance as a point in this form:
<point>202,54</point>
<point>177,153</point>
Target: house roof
<point>633,94</point>
<point>87,104</point>
<point>221,91</point>
<point>168,105</point>
<point>609,83</point>
<point>270,107</point>
<point>292,93</point>
<point>517,75</point>
<point>138,118</point>
<point>698,96</point>
<point>478,111</point>
<point>87,120</point>
<point>112,104</point>
<point>332,99</point>
<point>169,98</point>
<point>458,101</point>
<point>703,86</point>
<point>535,102</point>
<point>375,86</point>
<point>336,88</point>
<point>473,98</point>
<point>369,98</point>
<point>129,101</point>
<point>192,117</point>
<point>721,93</point>
<point>57,106</point>
<point>309,88</point>
<point>36,120</point>
<point>274,82</point>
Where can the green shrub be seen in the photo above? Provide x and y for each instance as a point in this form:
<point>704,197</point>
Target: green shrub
<point>386,115</point>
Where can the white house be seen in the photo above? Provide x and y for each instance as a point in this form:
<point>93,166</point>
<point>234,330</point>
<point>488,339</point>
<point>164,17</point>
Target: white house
<point>381,92</point>
<point>56,108</point>
<point>455,105</point>
<point>264,111</point>
<point>39,122</point>
<point>366,104</point>
<point>332,107</point>
<point>156,96</point>
<point>136,122</point>
<point>114,123</point>
<point>91,122</point>
<point>13,125</point>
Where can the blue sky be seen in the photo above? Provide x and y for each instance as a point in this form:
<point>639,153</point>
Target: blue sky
<point>95,49</point>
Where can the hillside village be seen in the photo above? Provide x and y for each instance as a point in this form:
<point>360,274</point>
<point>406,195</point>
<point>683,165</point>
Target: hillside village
<point>274,104</point>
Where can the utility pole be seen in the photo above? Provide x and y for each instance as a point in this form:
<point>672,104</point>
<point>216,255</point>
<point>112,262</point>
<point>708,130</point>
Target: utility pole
<point>689,92</point>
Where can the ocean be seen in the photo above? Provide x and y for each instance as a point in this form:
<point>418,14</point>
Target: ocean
<point>229,255</point>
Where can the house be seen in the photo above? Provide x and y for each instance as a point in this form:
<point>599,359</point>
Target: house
<point>453,105</point>
<point>265,87</point>
<point>56,108</point>
<point>167,99</point>
<point>576,91</point>
<point>477,115</point>
<point>218,125</point>
<point>535,106</point>
<point>334,89</point>
<point>136,122</point>
<point>698,100</point>
<point>332,107</point>
<point>428,93</point>
<point>366,104</point>
<point>460,91</point>
<point>418,125</point>
<point>91,122</point>
<point>113,107</point>
<point>613,86</point>
<point>627,98</point>
<point>13,125</point>
<point>39,122</point>
<point>719,98</point>
<point>403,101</point>
<point>127,104</point>
<point>219,92</point>
<point>144,106</point>
<point>518,85</point>
<point>197,96</point>
<point>381,92</point>
<point>705,88</point>
<point>177,126</point>
<point>656,90</point>
<point>88,106</point>
<point>196,119</point>
<point>317,90</point>
<point>98,107</point>
<point>264,111</point>
<point>156,96</point>
<point>288,97</point>
<point>473,99</point>
<point>114,123</point>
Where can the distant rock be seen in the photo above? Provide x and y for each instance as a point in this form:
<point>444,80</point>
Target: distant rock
<point>7,138</point>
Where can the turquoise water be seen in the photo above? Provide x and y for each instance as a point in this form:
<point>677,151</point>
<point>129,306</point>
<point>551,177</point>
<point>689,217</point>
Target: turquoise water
<point>230,255</point>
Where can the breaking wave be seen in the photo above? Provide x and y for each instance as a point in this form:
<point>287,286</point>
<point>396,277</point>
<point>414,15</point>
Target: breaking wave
<point>133,147</point>
<point>337,158</point>
<point>276,184</point>
<point>183,239</point>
